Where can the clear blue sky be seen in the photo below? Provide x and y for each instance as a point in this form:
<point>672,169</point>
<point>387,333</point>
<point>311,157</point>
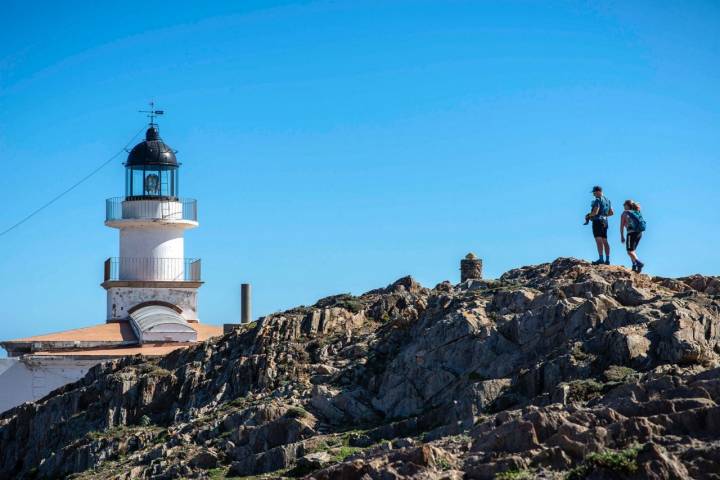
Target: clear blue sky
<point>336,146</point>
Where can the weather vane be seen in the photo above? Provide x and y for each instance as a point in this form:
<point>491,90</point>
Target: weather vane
<point>152,113</point>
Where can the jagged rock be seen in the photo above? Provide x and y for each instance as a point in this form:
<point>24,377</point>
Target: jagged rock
<point>269,461</point>
<point>701,283</point>
<point>327,370</point>
<point>537,372</point>
<point>205,459</point>
<point>426,462</point>
<point>657,464</point>
<point>314,461</point>
<point>403,443</point>
<point>322,401</point>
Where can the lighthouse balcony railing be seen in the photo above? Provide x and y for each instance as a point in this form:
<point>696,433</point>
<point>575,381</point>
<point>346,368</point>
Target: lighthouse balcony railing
<point>122,208</point>
<point>152,269</point>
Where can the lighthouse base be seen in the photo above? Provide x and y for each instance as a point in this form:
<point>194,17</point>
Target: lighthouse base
<point>125,296</point>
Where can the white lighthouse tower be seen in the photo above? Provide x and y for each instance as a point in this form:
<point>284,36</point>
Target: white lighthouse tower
<point>150,283</point>
<point>151,286</point>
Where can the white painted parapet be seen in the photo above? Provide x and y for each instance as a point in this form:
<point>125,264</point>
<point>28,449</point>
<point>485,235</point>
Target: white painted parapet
<point>121,213</point>
<point>30,378</point>
<point>161,209</point>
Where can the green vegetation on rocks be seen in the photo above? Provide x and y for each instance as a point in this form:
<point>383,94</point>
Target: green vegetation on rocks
<point>515,475</point>
<point>622,461</point>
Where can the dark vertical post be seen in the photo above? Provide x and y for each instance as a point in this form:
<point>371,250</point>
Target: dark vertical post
<point>245,303</point>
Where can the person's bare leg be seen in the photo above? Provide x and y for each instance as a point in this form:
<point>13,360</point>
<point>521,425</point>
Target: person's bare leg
<point>632,256</point>
<point>607,248</point>
<point>599,241</point>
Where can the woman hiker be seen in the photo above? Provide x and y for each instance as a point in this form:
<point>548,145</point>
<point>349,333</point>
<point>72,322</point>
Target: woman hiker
<point>633,221</point>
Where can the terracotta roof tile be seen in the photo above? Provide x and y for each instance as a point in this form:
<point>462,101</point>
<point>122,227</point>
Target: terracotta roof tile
<point>109,332</point>
<point>149,350</point>
<point>204,331</point>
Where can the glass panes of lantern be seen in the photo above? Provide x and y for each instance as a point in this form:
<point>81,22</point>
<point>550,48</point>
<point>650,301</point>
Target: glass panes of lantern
<point>151,181</point>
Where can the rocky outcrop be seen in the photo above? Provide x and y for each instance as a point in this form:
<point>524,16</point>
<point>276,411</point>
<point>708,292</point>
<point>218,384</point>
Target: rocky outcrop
<point>561,370</point>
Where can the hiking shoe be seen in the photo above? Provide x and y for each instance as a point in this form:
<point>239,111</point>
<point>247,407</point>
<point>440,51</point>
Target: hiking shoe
<point>634,268</point>
<point>607,262</point>
<point>639,267</point>
<point>599,262</point>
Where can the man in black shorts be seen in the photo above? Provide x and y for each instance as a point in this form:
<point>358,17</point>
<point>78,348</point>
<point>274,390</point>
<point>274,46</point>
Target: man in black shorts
<point>600,210</point>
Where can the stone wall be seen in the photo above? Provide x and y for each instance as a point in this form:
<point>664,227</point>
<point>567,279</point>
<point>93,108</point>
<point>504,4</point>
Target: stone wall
<point>121,299</point>
<point>470,268</point>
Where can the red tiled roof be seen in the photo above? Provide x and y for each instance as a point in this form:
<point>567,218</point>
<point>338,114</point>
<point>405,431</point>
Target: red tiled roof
<point>115,339</point>
<point>149,350</point>
<point>111,333</point>
<point>106,332</point>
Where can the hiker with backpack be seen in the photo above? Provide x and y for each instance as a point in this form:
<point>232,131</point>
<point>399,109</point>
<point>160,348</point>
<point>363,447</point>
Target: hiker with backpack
<point>632,221</point>
<point>600,210</point>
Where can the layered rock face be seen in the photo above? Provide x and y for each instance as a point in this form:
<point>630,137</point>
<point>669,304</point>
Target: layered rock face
<point>562,370</point>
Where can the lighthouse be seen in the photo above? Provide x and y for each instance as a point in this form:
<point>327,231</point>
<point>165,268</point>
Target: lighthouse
<point>151,286</point>
<point>150,283</point>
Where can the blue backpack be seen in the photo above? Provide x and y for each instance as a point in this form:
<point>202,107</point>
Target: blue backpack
<point>604,208</point>
<point>637,221</point>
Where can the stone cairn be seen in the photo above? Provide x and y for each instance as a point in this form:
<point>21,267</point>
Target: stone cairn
<point>470,268</point>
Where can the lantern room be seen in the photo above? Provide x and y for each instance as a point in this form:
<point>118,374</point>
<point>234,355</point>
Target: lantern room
<point>151,170</point>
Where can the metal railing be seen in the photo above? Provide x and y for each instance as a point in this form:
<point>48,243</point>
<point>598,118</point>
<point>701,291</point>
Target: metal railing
<point>152,269</point>
<point>119,208</point>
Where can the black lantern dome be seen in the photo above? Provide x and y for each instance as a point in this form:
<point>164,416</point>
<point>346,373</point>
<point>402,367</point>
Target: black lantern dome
<point>151,169</point>
<point>153,151</point>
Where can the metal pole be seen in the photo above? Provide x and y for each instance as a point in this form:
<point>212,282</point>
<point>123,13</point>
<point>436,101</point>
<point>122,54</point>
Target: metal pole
<point>245,303</point>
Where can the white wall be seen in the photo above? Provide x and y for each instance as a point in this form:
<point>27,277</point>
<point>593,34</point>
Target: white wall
<point>159,242</point>
<point>152,253</point>
<point>28,378</point>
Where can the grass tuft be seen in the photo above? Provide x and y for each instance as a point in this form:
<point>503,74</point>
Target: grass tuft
<point>344,452</point>
<point>297,412</point>
<point>514,474</point>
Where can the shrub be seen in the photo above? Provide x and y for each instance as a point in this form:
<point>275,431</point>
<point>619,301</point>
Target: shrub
<point>218,473</point>
<point>616,373</point>
<point>296,412</point>
<point>345,300</point>
<point>620,461</point>
<point>514,475</point>
<point>154,370</point>
<point>443,464</point>
<point>583,390</point>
